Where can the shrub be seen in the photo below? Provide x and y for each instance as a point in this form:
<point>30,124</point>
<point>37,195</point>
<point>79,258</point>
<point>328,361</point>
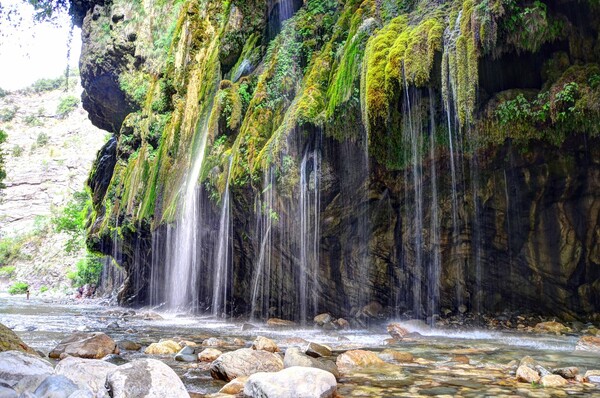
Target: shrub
<point>42,85</point>
<point>18,288</point>
<point>8,114</point>
<point>32,120</point>
<point>66,106</point>
<point>17,151</point>
<point>72,220</point>
<point>3,92</point>
<point>42,139</point>
<point>9,250</point>
<point>89,269</point>
<point>7,272</point>
<point>44,289</point>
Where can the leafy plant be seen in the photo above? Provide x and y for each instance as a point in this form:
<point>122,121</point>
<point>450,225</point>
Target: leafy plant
<point>66,106</point>
<point>3,137</point>
<point>17,151</point>
<point>72,220</point>
<point>7,272</point>
<point>44,288</point>
<point>32,120</point>
<point>42,85</point>
<point>18,288</point>
<point>8,114</point>
<point>89,270</point>
<point>42,139</point>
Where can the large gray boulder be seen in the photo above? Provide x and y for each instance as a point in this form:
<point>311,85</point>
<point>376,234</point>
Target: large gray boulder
<point>294,382</point>
<point>295,357</point>
<point>244,362</point>
<point>56,387</point>
<point>87,373</point>
<point>145,378</point>
<point>16,365</point>
<point>85,345</point>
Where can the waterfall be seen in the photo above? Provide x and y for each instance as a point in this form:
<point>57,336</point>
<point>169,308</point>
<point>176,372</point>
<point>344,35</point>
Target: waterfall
<point>262,266</point>
<point>435,265</point>
<point>221,274</point>
<point>310,170</point>
<point>184,241</point>
<point>286,10</point>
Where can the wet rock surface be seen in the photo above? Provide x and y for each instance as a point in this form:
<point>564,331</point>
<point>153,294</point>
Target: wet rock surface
<point>294,382</point>
<point>85,345</point>
<point>244,362</point>
<point>145,378</point>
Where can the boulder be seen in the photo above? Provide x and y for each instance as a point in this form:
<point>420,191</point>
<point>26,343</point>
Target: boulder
<point>372,310</point>
<point>551,327</point>
<point>280,322</point>
<point>7,392</point>
<point>323,319</point>
<point>263,343</point>
<point>294,382</point>
<point>553,381</point>
<point>397,356</point>
<point>317,350</point>
<point>56,387</point>
<point>87,373</point>
<point>16,365</point>
<point>166,347</point>
<point>527,374</point>
<point>568,373</point>
<point>186,358</point>
<point>29,383</point>
<point>85,345</point>
<point>9,341</point>
<point>341,323</point>
<point>145,378</point>
<point>357,359</point>
<point>234,387</point>
<point>209,354</point>
<point>294,357</point>
<point>593,376</point>
<point>244,362</point>
<point>129,345</point>
<point>214,342</point>
<point>588,343</point>
<point>397,331</point>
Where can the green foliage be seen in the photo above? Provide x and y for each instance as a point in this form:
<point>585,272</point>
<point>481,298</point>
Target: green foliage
<point>18,288</point>
<point>529,26</point>
<point>3,137</point>
<point>42,139</point>
<point>3,92</point>
<point>32,121</point>
<point>89,270</point>
<point>7,114</point>
<point>44,289</point>
<point>10,249</point>
<point>17,151</point>
<point>67,105</point>
<point>7,271</point>
<point>136,85</point>
<point>42,85</point>
<point>72,219</point>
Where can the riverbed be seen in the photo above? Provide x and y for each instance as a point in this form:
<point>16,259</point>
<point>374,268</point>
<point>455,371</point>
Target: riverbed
<point>447,362</point>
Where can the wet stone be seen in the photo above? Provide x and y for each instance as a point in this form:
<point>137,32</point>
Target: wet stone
<point>553,381</point>
<point>209,354</point>
<point>186,358</point>
<point>568,373</point>
<point>527,374</point>
<point>317,350</point>
<point>56,387</point>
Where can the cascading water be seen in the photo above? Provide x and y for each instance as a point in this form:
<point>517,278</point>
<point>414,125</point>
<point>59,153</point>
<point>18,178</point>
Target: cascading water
<point>222,265</point>
<point>310,198</point>
<point>435,265</point>
<point>286,10</point>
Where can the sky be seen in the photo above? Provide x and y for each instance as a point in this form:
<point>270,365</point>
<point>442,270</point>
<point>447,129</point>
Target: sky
<point>30,51</point>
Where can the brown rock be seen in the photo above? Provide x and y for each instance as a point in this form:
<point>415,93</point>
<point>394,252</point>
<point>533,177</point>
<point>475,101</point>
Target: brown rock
<point>280,322</point>
<point>166,347</point>
<point>317,350</point>
<point>593,376</point>
<point>209,355</point>
<point>588,343</point>
<point>322,319</point>
<point>263,343</point>
<point>214,342</point>
<point>85,345</point>
<point>397,331</point>
<point>357,358</point>
<point>551,327</point>
<point>9,341</point>
<point>553,381</point>
<point>373,309</point>
<point>244,362</point>
<point>460,359</point>
<point>234,387</point>
<point>342,323</point>
<point>568,373</point>
<point>397,356</point>
<point>527,374</point>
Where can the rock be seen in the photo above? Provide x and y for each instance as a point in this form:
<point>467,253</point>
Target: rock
<point>186,358</point>
<point>462,308</point>
<point>322,319</point>
<point>356,359</point>
<point>527,374</point>
<point>529,362</point>
<point>397,331</point>
<point>294,341</point>
<point>214,342</point>
<point>167,347</point>
<point>83,394</point>
<point>279,322</point>
<point>244,362</point>
<point>209,355</point>
<point>129,345</point>
<point>56,387</point>
<point>397,356</point>
<point>9,341</point>
<point>234,387</point>
<point>551,327</point>
<point>187,350</point>
<point>373,309</point>
<point>7,392</point>
<point>294,382</point>
<point>238,342</point>
<point>263,343</point>
<point>15,365</point>
<point>317,350</point>
<point>460,359</point>
<point>593,376</point>
<point>568,373</point>
<point>29,383</point>
<point>85,345</point>
<point>588,343</point>
<point>342,323</point>
<point>186,343</point>
<point>87,373</point>
<point>115,359</point>
<point>553,381</point>
<point>145,378</point>
<point>248,326</point>
<point>294,357</point>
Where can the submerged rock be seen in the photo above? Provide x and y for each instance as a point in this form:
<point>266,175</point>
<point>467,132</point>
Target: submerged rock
<point>9,341</point>
<point>588,343</point>
<point>294,382</point>
<point>552,327</point>
<point>87,373</point>
<point>263,343</point>
<point>357,358</point>
<point>85,345</point>
<point>167,347</point>
<point>244,362</point>
<point>56,387</point>
<point>16,365</point>
<point>145,378</point>
<point>280,322</point>
<point>398,356</point>
<point>209,354</point>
